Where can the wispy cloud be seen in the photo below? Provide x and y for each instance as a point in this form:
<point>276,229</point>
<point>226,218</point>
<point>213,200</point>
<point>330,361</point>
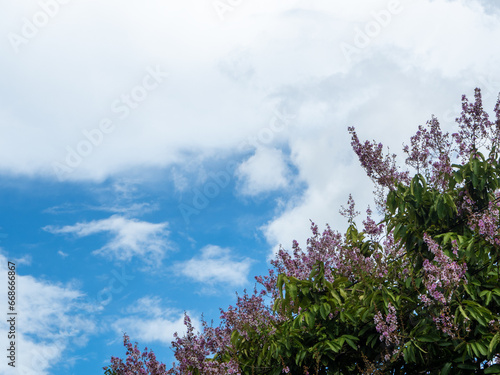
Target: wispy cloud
<point>215,265</point>
<point>132,209</point>
<point>25,260</point>
<point>129,238</point>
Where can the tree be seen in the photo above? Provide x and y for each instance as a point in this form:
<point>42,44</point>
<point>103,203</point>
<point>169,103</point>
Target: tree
<point>417,293</point>
<point>136,362</point>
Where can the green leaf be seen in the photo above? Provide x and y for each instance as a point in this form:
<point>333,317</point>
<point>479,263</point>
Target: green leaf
<point>475,349</point>
<point>325,310</point>
<point>488,295</point>
<point>351,344</point>
<point>428,339</point>
<point>300,356</point>
<point>441,208</point>
<point>446,237</point>
<point>348,315</point>
<point>397,229</point>
<point>291,290</point>
<point>350,337</point>
<point>495,369</point>
<point>343,293</point>
<point>336,296</point>
<point>446,369</point>
<point>482,349</point>
<point>466,366</point>
<point>493,343</point>
<point>309,317</point>
<point>419,347</point>
<point>333,346</point>
<point>409,353</point>
<point>418,282</point>
<point>372,340</point>
<point>463,312</point>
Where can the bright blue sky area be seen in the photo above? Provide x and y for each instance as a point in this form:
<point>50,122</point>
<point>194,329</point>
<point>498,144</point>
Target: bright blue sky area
<point>37,208</point>
<point>154,155</point>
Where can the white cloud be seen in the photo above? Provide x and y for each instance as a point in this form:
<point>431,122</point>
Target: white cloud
<point>51,320</point>
<point>226,78</point>
<point>216,265</point>
<point>128,210</point>
<point>26,260</point>
<point>147,320</point>
<point>130,238</point>
<point>326,164</point>
<point>265,171</point>
<point>214,97</point>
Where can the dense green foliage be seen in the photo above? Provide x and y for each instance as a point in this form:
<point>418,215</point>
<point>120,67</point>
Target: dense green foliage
<point>436,298</point>
<point>310,339</point>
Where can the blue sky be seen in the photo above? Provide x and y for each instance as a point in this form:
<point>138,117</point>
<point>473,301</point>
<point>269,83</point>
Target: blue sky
<point>155,154</point>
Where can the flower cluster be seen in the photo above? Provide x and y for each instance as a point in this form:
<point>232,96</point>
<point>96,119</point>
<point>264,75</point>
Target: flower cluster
<point>136,362</point>
<point>381,169</point>
<point>431,151</point>
<point>349,212</point>
<point>371,228</point>
<point>326,248</point>
<point>250,313</point>
<point>193,350</point>
<point>339,256</point>
<point>487,222</point>
<point>388,327</point>
<point>476,130</point>
<point>429,154</point>
<point>445,322</point>
<point>441,275</point>
<point>390,259</point>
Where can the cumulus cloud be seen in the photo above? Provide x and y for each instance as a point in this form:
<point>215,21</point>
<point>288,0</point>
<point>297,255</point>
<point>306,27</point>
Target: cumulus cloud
<point>54,319</point>
<point>129,238</point>
<point>263,172</point>
<point>147,320</point>
<point>216,265</point>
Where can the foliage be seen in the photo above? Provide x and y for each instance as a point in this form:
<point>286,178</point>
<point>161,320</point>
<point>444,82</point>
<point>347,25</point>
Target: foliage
<point>417,293</point>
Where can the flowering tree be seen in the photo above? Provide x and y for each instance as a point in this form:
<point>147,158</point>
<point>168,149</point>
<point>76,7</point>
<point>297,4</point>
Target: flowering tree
<point>136,362</point>
<point>417,293</point>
